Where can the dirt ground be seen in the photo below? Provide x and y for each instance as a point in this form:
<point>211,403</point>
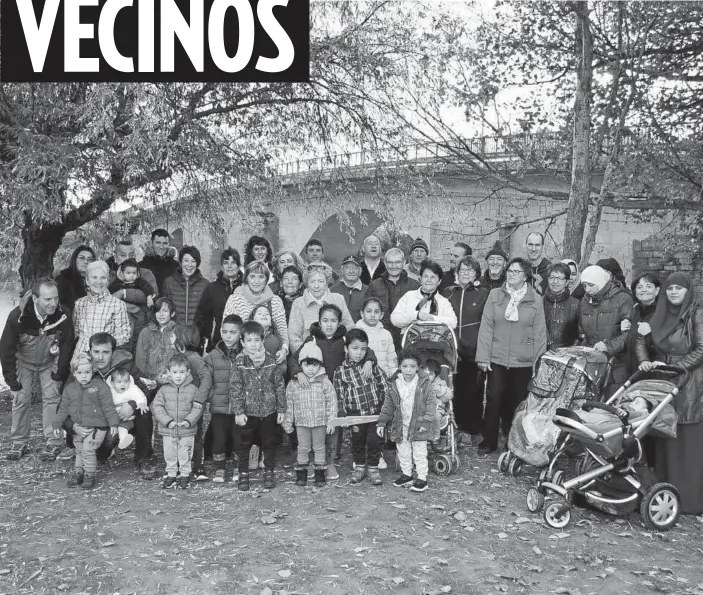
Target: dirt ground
<point>469,533</point>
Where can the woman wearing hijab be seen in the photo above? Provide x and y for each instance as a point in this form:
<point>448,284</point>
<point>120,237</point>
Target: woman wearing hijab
<point>512,337</point>
<point>677,335</point>
<point>601,313</point>
<point>574,285</point>
<point>613,267</point>
<point>71,281</point>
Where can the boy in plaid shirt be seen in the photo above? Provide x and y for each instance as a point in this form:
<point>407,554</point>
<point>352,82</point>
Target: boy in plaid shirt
<point>358,396</point>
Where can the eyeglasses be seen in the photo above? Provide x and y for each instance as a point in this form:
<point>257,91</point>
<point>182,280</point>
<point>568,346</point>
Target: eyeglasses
<point>465,271</point>
<point>514,271</point>
<point>556,279</point>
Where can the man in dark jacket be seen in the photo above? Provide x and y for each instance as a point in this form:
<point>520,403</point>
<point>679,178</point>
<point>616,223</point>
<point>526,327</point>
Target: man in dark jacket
<point>37,339</point>
<point>392,285</point>
<point>539,264</point>
<point>561,309</point>
<point>160,257</point>
<point>106,359</point>
<point>372,266</point>
<point>350,286</point>
<point>458,251</point>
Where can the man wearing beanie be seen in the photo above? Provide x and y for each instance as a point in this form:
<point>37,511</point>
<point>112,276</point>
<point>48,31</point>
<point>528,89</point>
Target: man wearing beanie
<point>419,251</point>
<point>458,251</point>
<point>496,259</point>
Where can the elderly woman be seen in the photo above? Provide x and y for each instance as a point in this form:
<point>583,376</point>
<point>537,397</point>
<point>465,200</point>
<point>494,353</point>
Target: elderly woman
<point>255,291</point>
<point>561,309</point>
<point>306,308</point>
<point>424,303</point>
<point>281,261</point>
<point>677,336</point>
<point>601,313</point>
<point>100,312</point>
<point>292,287</point>
<point>71,281</point>
<point>512,337</point>
<point>468,297</point>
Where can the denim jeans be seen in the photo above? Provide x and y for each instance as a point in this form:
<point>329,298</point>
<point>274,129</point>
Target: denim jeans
<point>314,438</point>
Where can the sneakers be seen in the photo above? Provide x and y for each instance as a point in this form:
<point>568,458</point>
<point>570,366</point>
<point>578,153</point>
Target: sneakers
<point>88,481</point>
<point>183,482</point>
<point>169,482</point>
<point>420,485</point>
<point>199,473</point>
<point>320,477</point>
<point>403,481</point>
<point>243,483</point>
<point>375,476</point>
<point>219,476</point>
<point>269,480</point>
<point>301,477</point>
<point>382,463</point>
<point>66,454</point>
<point>125,441</point>
<point>359,474</point>
<point>17,451</point>
<point>332,473</point>
<point>49,453</point>
<point>75,479</point>
<point>146,468</point>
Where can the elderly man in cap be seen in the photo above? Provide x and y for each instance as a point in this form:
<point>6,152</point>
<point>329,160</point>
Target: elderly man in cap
<point>419,251</point>
<point>351,287</point>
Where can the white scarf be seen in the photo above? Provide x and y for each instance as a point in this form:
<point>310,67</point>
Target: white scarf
<point>516,296</point>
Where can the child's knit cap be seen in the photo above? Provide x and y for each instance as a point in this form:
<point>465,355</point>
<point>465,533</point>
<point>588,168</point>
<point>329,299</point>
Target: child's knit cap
<point>310,351</point>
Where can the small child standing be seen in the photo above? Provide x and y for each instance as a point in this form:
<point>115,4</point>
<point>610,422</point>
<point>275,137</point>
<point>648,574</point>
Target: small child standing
<point>380,339</point>
<point>154,344</point>
<point>258,401</point>
<point>442,393</point>
<point>272,342</point>
<point>86,399</point>
<point>356,396</point>
<point>125,392</point>
<point>410,408</point>
<point>219,363</point>
<point>310,409</point>
<point>177,413</point>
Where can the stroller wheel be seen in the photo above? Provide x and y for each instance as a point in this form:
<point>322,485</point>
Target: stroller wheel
<point>661,506</point>
<point>456,463</point>
<point>557,514</point>
<point>504,461</point>
<point>534,500</point>
<point>558,477</point>
<point>442,465</point>
<point>515,467</point>
<point>543,475</point>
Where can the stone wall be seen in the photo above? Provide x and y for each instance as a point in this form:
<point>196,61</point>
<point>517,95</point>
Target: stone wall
<point>665,255</point>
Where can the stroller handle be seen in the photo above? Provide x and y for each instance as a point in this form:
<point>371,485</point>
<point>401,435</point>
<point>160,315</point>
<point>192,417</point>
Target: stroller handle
<point>668,370</point>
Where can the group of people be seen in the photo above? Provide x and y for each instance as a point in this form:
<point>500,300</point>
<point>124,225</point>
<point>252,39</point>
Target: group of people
<point>283,340</point>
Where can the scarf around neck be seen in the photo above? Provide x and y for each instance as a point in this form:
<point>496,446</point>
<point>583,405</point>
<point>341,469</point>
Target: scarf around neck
<point>255,300</point>
<point>431,297</point>
<point>516,296</point>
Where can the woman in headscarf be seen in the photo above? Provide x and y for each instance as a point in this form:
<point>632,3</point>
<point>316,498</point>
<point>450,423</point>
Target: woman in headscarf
<point>512,337</point>
<point>606,304</point>
<point>613,267</point>
<point>71,281</point>
<point>575,287</point>
<point>677,335</point>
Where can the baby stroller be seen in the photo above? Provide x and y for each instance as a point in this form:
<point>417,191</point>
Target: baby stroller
<point>608,477</point>
<point>433,340</point>
<point>566,377</point>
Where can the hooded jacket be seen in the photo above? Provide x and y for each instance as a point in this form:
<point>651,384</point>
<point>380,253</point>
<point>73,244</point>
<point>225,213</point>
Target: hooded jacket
<point>71,283</point>
<point>185,293</point>
<point>599,320</point>
<point>424,410</point>
<point>256,391</point>
<point>310,407</point>
<point>134,296</point>
<point>161,266</point>
<point>219,363</point>
<point>177,403</point>
<point>390,293</point>
<point>24,340</point>
<point>90,406</point>
<point>468,303</point>
<point>561,316</point>
<point>208,315</point>
<point>512,344</point>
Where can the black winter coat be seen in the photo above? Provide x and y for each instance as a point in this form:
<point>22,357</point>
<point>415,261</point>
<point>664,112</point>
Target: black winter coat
<point>640,313</point>
<point>561,315</point>
<point>208,315</point>
<point>185,293</point>
<point>468,303</point>
<point>162,267</point>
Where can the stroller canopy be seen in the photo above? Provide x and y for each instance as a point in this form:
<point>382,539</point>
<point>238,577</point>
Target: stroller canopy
<point>433,340</point>
<point>574,370</point>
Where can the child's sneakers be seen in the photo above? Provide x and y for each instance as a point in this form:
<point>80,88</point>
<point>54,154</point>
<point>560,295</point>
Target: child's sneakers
<point>183,482</point>
<point>403,481</point>
<point>301,477</point>
<point>382,463</point>
<point>320,477</point>
<point>125,439</point>
<point>88,481</point>
<point>420,485</point>
<point>243,482</point>
<point>269,480</point>
<point>169,482</point>
<point>75,479</point>
<point>219,476</point>
<point>199,473</point>
<point>359,474</point>
<point>375,476</point>
<point>332,472</point>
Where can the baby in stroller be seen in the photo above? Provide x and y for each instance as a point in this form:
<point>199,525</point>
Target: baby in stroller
<point>600,420</point>
<point>444,395</point>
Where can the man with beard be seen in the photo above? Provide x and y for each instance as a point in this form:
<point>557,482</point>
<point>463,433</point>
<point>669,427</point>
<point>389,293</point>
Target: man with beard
<point>496,259</point>
<point>458,251</point>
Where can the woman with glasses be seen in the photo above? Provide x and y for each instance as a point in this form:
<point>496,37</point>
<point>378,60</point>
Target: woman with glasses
<point>468,297</point>
<point>561,309</point>
<point>511,339</point>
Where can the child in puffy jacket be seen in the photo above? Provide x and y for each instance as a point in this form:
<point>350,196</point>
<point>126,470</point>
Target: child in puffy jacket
<point>410,408</point>
<point>87,400</point>
<point>272,342</point>
<point>380,339</point>
<point>155,342</point>
<point>177,412</point>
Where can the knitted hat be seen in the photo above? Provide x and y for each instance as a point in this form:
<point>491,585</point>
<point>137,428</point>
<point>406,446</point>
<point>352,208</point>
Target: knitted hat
<point>310,351</point>
<point>419,243</point>
<point>352,259</point>
<point>497,250</point>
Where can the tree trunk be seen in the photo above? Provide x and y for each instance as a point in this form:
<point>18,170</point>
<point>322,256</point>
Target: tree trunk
<point>40,247</point>
<point>580,190</point>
